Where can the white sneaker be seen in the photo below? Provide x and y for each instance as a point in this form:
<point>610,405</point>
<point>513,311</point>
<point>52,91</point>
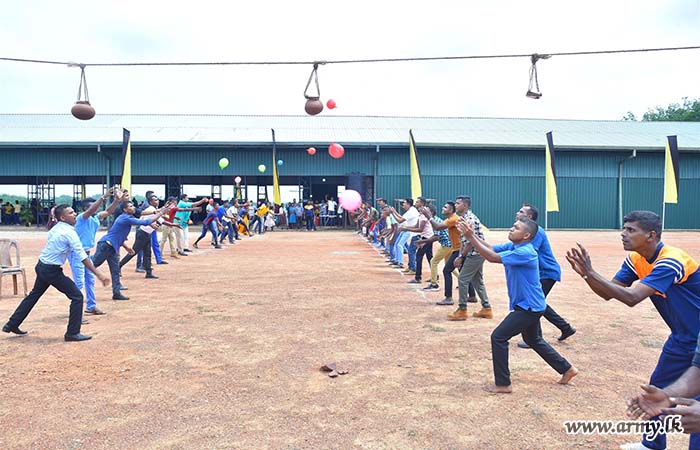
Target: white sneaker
<point>634,446</point>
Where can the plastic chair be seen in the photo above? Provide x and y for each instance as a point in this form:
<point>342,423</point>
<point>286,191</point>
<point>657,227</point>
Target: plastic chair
<point>7,267</point>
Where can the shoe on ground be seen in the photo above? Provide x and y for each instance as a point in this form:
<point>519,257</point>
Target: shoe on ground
<point>163,262</point>
<point>432,287</point>
<point>445,302</point>
<point>414,281</point>
<point>523,344</point>
<point>194,245</point>
<point>566,334</point>
<point>635,446</point>
<point>406,270</point>
<point>120,297</point>
<point>217,246</point>
<point>76,337</point>
<point>187,250</point>
<point>151,276</point>
<point>460,314</point>
<point>484,313</point>
<point>10,329</point>
<point>182,253</point>
<point>471,300</point>
<point>140,270</point>
<point>95,311</point>
<point>123,288</point>
<point>174,255</point>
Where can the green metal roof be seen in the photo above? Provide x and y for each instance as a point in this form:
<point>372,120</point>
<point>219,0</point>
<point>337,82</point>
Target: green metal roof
<point>51,129</point>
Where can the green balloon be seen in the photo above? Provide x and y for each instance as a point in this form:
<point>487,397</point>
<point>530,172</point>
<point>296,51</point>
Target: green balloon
<point>261,168</point>
<point>223,163</point>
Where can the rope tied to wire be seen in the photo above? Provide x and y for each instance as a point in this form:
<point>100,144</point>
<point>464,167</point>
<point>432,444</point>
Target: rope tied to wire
<point>313,76</point>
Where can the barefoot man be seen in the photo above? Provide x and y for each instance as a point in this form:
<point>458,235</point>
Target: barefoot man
<point>527,301</point>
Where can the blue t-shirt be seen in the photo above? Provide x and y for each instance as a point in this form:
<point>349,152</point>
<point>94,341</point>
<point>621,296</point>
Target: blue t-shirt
<point>87,229</point>
<point>210,216</point>
<point>522,275</point>
<point>675,277</point>
<point>120,230</point>
<point>220,212</point>
<point>549,267</point>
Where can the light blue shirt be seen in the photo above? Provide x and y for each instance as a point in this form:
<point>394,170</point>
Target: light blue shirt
<point>87,229</point>
<point>62,240</point>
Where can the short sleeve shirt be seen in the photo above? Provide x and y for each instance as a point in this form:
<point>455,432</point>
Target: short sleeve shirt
<point>453,232</point>
<point>522,276</point>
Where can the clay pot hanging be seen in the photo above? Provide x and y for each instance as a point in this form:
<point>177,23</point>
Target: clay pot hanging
<point>313,105</point>
<point>82,109</point>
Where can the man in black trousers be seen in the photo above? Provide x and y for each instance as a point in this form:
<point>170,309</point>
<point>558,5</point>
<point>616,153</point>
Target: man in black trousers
<point>62,240</point>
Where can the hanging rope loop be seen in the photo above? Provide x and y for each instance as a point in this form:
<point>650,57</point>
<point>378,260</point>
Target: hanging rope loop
<point>83,89</point>
<point>314,77</point>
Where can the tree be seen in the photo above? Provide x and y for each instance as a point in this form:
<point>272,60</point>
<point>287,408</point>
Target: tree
<point>689,111</point>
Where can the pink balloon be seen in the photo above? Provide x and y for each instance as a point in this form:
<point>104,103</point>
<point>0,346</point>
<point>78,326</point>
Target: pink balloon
<point>331,104</point>
<point>336,150</point>
<point>311,151</point>
<point>350,200</point>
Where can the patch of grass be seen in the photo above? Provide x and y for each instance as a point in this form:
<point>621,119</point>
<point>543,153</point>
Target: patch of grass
<point>435,328</point>
<point>203,309</point>
<point>652,343</point>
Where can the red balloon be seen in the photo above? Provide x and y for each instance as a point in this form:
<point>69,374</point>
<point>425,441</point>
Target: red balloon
<point>331,104</point>
<point>336,150</point>
<point>311,151</point>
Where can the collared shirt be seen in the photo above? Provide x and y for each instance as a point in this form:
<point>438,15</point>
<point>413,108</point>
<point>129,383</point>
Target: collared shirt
<point>452,231</point>
<point>549,267</point>
<point>471,217</point>
<point>443,236</point>
<point>120,230</point>
<point>62,240</point>
<point>87,229</point>
<point>184,216</point>
<point>522,276</point>
<point>674,275</point>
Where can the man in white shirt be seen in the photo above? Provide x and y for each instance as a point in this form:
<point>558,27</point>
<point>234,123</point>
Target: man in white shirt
<point>409,219</point>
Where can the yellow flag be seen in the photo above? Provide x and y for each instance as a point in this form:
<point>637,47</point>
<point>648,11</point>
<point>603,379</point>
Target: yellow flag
<point>416,186</point>
<point>672,173</point>
<point>276,197</point>
<point>126,161</point>
<point>551,176</point>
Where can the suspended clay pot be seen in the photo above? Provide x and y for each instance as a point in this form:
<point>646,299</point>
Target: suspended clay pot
<point>83,110</point>
<point>313,106</point>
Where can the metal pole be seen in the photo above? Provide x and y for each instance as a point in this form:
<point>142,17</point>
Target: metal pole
<point>376,175</point>
<point>619,187</point>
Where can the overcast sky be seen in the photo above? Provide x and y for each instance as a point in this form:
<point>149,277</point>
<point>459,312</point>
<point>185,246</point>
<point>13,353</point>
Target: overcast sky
<point>583,87</point>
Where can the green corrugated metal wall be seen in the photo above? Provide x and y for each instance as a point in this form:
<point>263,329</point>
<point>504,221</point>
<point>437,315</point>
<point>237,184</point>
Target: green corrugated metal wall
<point>498,180</point>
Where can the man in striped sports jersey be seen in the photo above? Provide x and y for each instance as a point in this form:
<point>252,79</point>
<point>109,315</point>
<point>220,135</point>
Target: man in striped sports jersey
<point>670,277</point>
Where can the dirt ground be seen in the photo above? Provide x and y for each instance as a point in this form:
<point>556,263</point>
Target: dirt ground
<point>224,350</point>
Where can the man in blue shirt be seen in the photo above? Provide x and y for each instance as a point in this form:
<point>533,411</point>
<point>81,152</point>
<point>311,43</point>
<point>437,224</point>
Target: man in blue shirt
<point>550,273</point>
<point>62,240</point>
<point>211,223</point>
<point>671,279</point>
<point>108,246</point>
<point>86,226</point>
<point>527,303</point>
